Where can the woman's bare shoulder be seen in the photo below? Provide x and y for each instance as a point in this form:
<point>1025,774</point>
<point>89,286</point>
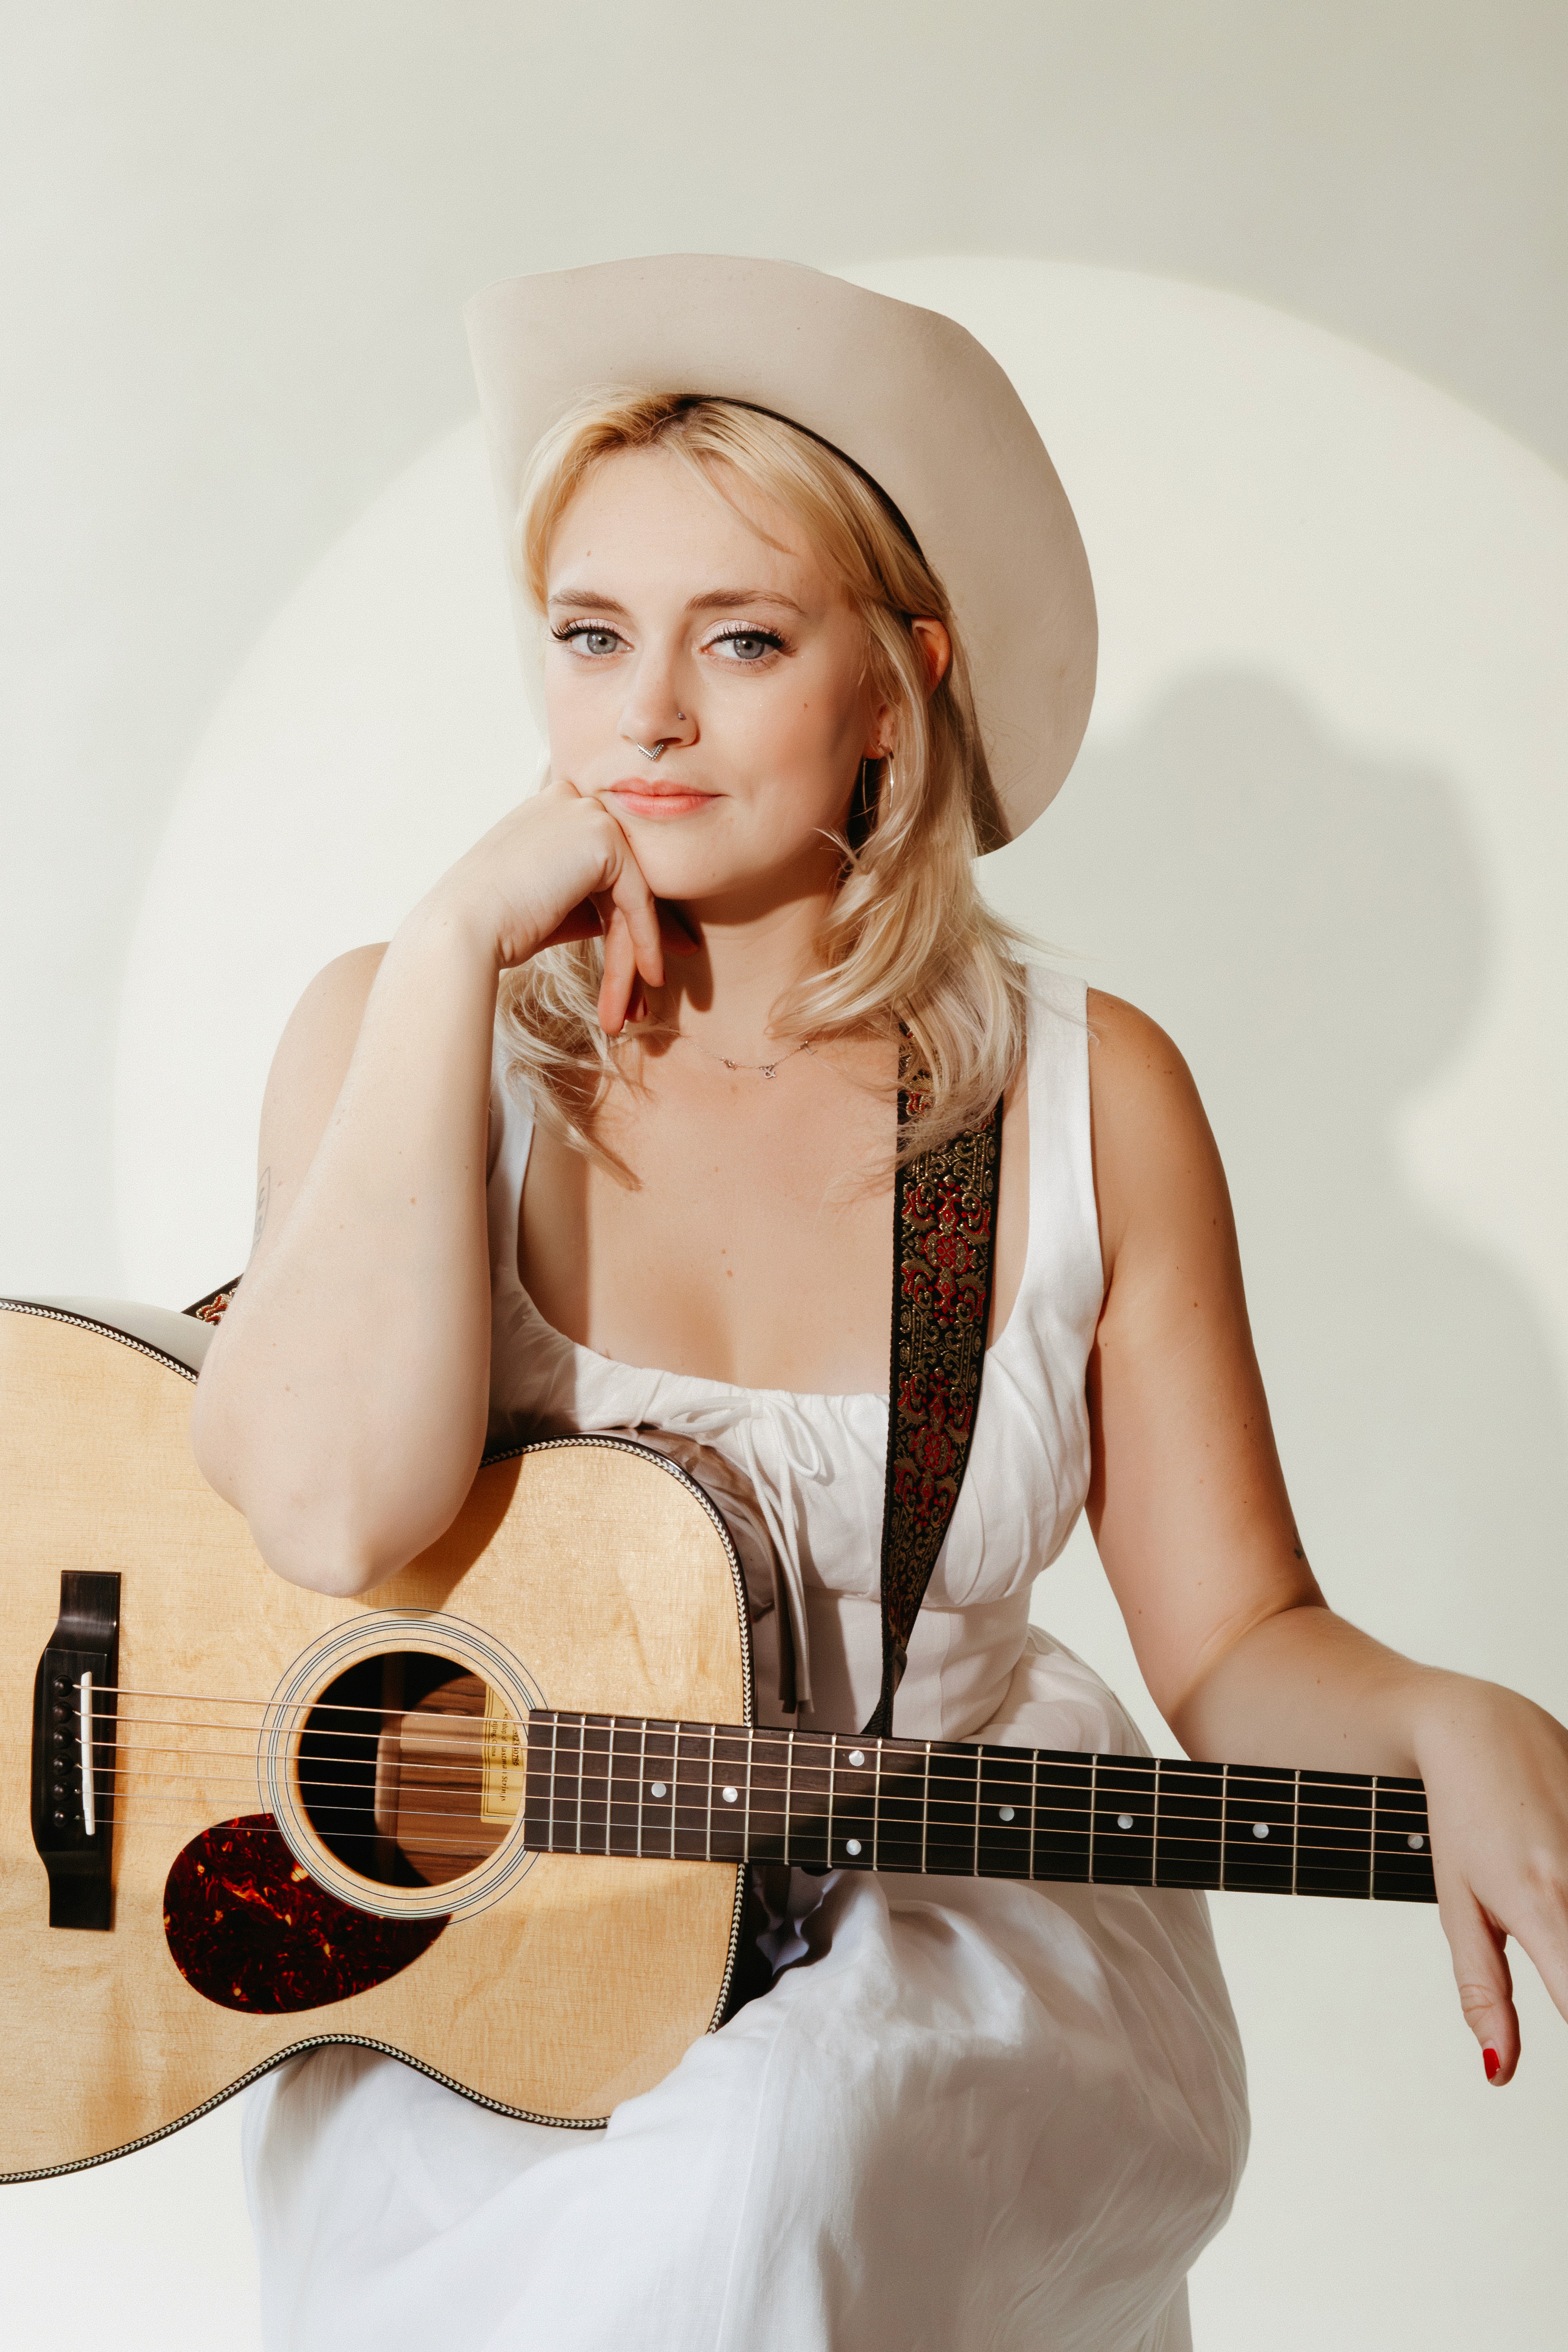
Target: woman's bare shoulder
<point>1155,1160</point>
<point>1130,1056</point>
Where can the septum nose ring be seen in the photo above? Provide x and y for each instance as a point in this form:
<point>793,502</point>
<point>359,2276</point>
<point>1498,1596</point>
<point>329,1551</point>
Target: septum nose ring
<point>656,751</point>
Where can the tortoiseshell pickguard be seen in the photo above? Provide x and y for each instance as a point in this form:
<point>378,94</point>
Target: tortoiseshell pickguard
<point>250,1929</point>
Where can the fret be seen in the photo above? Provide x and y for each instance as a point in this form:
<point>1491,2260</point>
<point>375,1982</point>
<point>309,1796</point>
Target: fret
<point>642,1779</point>
<point>625,1785</point>
<point>1123,1800</point>
<point>657,1822</point>
<point>1191,1805</point>
<point>808,1769</point>
<point>554,1755</point>
<point>536,1769</point>
<point>1295,1830</point>
<point>1093,1810</point>
<point>692,1790</point>
<point>1224,1806</point>
<point>925,1808</point>
<point>1033,1808</point>
<point>1002,1810</point>
<point>832,1759</point>
<point>1372,1843</point>
<point>899,1797</point>
<point>598,1737</point>
<point>1334,1834</point>
<point>566,1779</point>
<point>1061,1848</point>
<point>950,1813</point>
<point>854,1803</point>
<point>789,1792</point>
<point>728,1765</point>
<point>708,1810</point>
<point>1155,1831</point>
<point>1259,1852</point>
<point>1402,1844</point>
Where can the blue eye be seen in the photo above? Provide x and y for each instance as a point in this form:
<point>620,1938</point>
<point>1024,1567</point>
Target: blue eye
<point>584,637</point>
<point>749,646</point>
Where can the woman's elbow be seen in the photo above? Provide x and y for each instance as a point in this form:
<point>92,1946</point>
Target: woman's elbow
<point>334,1548</point>
<point>343,1534</point>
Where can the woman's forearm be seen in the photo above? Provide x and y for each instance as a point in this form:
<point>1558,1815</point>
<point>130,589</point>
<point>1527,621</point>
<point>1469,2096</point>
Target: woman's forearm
<point>1305,1687</point>
<point>343,1406</point>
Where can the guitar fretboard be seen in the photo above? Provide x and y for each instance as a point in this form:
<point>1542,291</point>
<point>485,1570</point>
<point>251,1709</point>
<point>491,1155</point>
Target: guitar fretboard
<point>603,1784</point>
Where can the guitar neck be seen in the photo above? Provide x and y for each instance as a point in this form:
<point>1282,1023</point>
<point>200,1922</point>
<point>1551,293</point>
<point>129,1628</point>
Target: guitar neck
<point>604,1784</point>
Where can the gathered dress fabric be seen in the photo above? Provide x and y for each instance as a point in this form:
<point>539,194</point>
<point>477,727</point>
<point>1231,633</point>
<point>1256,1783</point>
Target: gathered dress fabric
<point>967,2116</point>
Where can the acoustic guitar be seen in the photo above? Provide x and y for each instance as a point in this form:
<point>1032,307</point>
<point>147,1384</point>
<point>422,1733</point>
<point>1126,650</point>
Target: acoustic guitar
<point>492,1818</point>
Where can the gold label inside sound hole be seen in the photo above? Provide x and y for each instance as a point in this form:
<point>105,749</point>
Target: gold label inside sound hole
<point>500,1791</point>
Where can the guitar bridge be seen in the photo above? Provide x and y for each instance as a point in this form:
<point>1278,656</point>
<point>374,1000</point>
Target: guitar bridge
<point>74,1697</point>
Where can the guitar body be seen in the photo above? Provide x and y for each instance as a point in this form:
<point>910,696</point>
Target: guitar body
<point>581,1574</point>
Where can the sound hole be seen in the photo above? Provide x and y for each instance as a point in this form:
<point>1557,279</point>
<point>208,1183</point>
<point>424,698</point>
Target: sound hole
<point>410,1769</point>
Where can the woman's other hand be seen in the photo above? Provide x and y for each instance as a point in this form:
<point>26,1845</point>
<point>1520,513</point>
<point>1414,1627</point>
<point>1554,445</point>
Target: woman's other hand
<point>1240,1651</point>
<point>1496,1769</point>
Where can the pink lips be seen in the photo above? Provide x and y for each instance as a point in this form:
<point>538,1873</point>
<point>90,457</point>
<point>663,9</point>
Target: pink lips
<point>639,796</point>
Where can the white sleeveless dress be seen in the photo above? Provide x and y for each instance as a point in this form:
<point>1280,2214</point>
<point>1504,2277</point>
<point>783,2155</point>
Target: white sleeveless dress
<point>969,2116</point>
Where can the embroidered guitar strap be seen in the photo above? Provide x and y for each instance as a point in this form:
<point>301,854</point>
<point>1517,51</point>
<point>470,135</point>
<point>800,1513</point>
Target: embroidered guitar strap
<point>944,1233</point>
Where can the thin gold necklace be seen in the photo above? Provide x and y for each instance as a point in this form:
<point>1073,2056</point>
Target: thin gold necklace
<point>768,1069</point>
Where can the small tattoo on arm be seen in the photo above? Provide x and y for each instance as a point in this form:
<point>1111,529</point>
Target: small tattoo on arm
<point>263,1196</point>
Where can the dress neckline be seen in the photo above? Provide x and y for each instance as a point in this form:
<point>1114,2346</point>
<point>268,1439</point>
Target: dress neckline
<point>791,1396</point>
<point>696,1380</point>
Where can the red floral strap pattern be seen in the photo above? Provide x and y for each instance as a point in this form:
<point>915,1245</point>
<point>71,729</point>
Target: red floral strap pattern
<point>944,1220</point>
<point>217,1304</point>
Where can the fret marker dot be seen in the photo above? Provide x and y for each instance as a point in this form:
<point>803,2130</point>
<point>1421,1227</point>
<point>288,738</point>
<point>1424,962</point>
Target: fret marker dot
<point>852,1845</point>
<point>731,1795</point>
<point>657,1789</point>
<point>1123,1821</point>
<point>856,1758</point>
<point>1003,1813</point>
<point>1261,1829</point>
<point>1416,1841</point>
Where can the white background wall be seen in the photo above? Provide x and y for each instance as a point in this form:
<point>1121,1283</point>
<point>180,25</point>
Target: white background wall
<point>1323,781</point>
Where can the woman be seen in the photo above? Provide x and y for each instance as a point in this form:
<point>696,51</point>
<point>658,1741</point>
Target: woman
<point>606,1136</point>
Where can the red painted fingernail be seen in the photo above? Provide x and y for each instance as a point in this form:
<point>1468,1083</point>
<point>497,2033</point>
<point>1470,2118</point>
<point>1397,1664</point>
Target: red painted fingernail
<point>1493,2062</point>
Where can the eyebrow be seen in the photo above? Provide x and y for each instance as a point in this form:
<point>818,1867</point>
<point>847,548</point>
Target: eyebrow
<point>717,599</point>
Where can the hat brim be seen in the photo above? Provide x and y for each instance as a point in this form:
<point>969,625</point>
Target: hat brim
<point>909,394</point>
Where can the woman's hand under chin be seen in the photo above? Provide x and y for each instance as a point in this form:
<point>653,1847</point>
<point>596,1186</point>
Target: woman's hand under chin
<point>559,868</point>
<point>1496,1769</point>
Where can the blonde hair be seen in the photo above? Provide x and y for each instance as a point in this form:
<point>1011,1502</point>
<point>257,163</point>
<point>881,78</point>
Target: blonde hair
<point>908,944</point>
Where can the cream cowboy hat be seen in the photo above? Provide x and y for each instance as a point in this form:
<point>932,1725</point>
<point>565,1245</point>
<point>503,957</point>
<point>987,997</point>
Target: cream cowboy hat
<point>911,398</point>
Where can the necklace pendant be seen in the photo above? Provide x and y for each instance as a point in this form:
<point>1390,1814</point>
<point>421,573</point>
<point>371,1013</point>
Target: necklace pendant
<point>768,1068</point>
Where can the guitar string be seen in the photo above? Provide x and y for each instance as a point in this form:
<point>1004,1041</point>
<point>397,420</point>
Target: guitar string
<point>1172,1822</point>
<point>961,1774</point>
<point>743,1733</point>
<point>694,1820</point>
<point>964,1786</point>
<point>1238,1852</point>
<point>1399,1820</point>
